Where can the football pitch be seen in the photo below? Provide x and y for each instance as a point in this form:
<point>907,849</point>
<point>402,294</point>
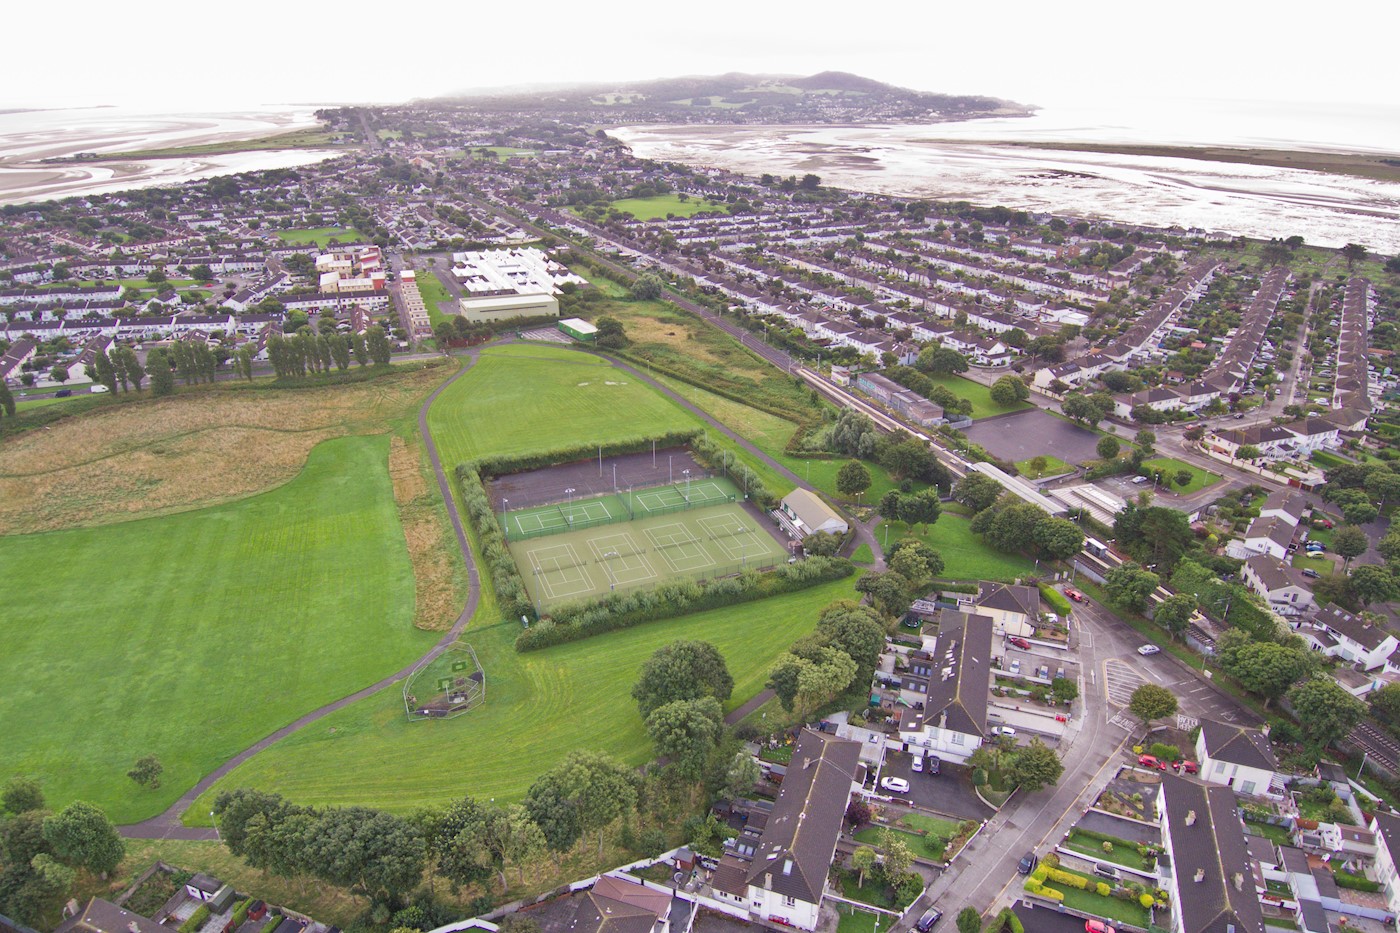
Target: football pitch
<point>699,543</point>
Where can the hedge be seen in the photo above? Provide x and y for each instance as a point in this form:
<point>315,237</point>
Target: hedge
<point>716,457</point>
<point>1102,889</point>
<point>517,463</point>
<point>573,621</point>
<point>1055,598</point>
<point>240,914</point>
<point>1355,882</point>
<point>505,576</point>
<point>1040,890</point>
<point>197,920</point>
<point>1060,876</point>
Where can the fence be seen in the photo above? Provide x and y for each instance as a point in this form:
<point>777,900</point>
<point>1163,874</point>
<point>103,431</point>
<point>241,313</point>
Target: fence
<point>571,523</point>
<point>629,512</point>
<point>704,573</point>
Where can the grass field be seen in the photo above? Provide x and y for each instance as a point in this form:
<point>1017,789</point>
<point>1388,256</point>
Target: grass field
<point>321,236</point>
<point>1200,478</point>
<point>1054,466</point>
<point>965,557</point>
<point>696,544</point>
<point>978,394</point>
<point>573,398</point>
<point>311,137</point>
<point>434,294</point>
<point>24,404</point>
<point>143,637</point>
<point>662,205</point>
<point>539,706</point>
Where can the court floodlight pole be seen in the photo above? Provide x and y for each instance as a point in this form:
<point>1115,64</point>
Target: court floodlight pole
<point>669,477</point>
<point>505,509</point>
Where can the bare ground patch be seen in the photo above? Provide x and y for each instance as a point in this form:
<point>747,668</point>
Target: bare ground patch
<point>191,450</point>
<point>678,336</point>
<point>431,545</point>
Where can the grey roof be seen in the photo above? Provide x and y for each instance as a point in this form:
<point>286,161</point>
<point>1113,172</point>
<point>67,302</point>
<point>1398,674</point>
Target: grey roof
<point>1364,633</point>
<point>1288,501</point>
<point>1207,841</point>
<point>1275,529</point>
<point>1294,859</point>
<point>799,841</point>
<point>1388,827</point>
<point>1009,597</point>
<point>960,667</point>
<point>1238,745</point>
<point>1273,575</point>
<point>101,916</point>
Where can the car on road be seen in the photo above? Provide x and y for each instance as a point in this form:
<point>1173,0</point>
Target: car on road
<point>1027,863</point>
<point>1145,650</point>
<point>63,393</point>
<point>895,785</point>
<point>929,920</point>
<point>1098,926</point>
<point>1074,595</point>
<point>1190,767</point>
<point>1020,643</point>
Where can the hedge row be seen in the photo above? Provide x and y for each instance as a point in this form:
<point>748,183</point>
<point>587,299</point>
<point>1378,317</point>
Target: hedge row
<point>1055,598</point>
<point>718,458</point>
<point>197,920</point>
<point>1040,890</point>
<point>517,463</point>
<point>500,563</point>
<point>689,379</point>
<point>1060,876</point>
<point>1355,882</point>
<point>240,914</point>
<point>574,621</point>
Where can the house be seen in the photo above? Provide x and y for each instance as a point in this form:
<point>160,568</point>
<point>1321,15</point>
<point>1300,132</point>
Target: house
<point>1386,826</point>
<point>807,514</point>
<point>1013,609</point>
<point>781,878</point>
<point>1339,634</point>
<point>946,688</point>
<point>202,887</point>
<point>1283,587</point>
<point>101,916</point>
<point>1270,439</point>
<point>1270,536</point>
<point>1239,758</point>
<point>1287,505</point>
<point>1211,884</point>
<point>611,905</point>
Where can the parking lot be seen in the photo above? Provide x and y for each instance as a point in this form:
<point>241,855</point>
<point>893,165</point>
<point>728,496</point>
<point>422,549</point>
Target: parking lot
<point>1033,662</point>
<point>1025,434</point>
<point>948,793</point>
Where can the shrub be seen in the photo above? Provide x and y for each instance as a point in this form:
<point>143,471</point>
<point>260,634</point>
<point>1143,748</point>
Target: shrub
<point>1051,860</point>
<point>1146,900</point>
<point>1060,876</point>
<point>1354,882</point>
<point>1107,846</point>
<point>197,920</point>
<point>979,776</point>
<point>1055,598</point>
<point>1039,890</point>
<point>1102,889</point>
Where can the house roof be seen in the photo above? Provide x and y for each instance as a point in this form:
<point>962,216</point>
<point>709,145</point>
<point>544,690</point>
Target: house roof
<point>796,848</point>
<point>810,508</point>
<point>610,906</point>
<point>1275,529</point>
<point>1288,501</point>
<point>1366,634</point>
<point>1388,829</point>
<point>101,916</point>
<point>1207,843</point>
<point>961,662</point>
<point>1009,598</point>
<point>1273,575</point>
<point>1238,745</point>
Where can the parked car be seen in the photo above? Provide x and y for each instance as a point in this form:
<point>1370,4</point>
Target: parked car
<point>895,785</point>
<point>932,764</point>
<point>99,389</point>
<point>1027,863</point>
<point>1074,595</point>
<point>1007,731</point>
<point>1059,673</point>
<point>1309,572</point>
<point>1020,643</point>
<point>929,920</point>
<point>918,765</point>
<point>1106,871</point>
<point>1098,926</point>
<point>1015,666</point>
<point>63,393</point>
<point>1190,767</point>
<point>1148,761</point>
<point>1044,672</point>
<point>1145,650</point>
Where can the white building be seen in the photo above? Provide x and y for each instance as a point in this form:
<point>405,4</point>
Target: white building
<point>946,688</point>
<point>808,514</point>
<point>1386,826</point>
<point>1207,869</point>
<point>1339,634</point>
<point>1239,758</point>
<point>1284,588</point>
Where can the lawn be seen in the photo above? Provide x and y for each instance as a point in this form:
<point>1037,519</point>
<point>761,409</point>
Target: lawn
<point>658,207</point>
<point>25,404</point>
<point>965,557</point>
<point>523,398</point>
<point>190,636</point>
<point>821,476</point>
<point>434,293</point>
<point>1054,466</point>
<point>854,920</point>
<point>1200,478</point>
<point>863,554</point>
<point>1090,902</point>
<point>1323,565</point>
<point>321,236</point>
<point>1124,852</point>
<point>978,394</point>
<point>539,705</point>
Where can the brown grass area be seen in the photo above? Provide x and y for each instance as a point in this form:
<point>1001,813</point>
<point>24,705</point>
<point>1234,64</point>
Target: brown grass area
<point>642,330</point>
<point>194,449</point>
<point>431,544</point>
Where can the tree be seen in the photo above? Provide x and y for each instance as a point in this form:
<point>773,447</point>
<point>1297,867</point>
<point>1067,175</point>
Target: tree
<point>1154,535</point>
<point>941,361</point>
<point>1150,702</point>
<point>856,630</point>
<point>1325,710</point>
<point>1265,668</point>
<point>104,371</point>
<point>1383,486</point>
<point>1144,440</point>
<point>810,182</point>
<point>862,860</point>
<point>1036,766</point>
<point>7,401</point>
<point>162,376</point>
<point>518,922</point>
<point>921,508</point>
<point>21,795</point>
<point>686,732</point>
<point>1248,452</point>
<point>593,789</point>
<point>647,288</point>
<point>783,678</point>
<point>852,479</point>
<point>1353,253</point>
<point>1086,409</point>
<point>823,680</point>
<point>977,491</point>
<point>377,343</point>
<point>743,773</point>
<point>1063,689</point>
<point>1174,613</point>
<point>1373,584</point>
<point>1349,542</point>
<point>1385,702</point>
<point>36,888</point>
<point>1359,512</point>
<point>349,847</point>
<point>147,771</point>
<point>1008,390</point>
<point>59,373</point>
<point>888,591</point>
<point>1058,538</point>
<point>611,335</point>
<point>898,857</point>
<point>1012,529</point>
<point>682,670</point>
<point>83,837</point>
<point>1183,477</point>
<point>1389,546</point>
<point>203,273</point>
<point>969,920</point>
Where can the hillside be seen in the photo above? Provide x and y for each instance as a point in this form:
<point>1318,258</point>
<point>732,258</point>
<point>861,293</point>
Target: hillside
<point>827,97</point>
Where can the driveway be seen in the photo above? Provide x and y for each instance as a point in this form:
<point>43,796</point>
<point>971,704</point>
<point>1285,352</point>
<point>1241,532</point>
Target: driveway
<point>948,793</point>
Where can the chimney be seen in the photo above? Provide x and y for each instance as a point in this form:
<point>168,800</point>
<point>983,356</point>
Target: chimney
<point>1190,817</point>
<point>1238,878</point>
<point>767,881</point>
<point>132,927</point>
<point>1200,875</point>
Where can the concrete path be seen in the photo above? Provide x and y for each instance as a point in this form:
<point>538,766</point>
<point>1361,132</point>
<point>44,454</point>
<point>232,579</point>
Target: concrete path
<point>168,825</point>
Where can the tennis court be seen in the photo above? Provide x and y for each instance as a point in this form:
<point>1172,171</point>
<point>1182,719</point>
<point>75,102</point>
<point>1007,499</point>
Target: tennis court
<point>695,543</point>
<point>576,512</point>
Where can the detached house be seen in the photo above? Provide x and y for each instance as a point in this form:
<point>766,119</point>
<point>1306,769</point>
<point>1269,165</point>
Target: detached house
<point>1014,610</point>
<point>1270,536</point>
<point>781,877</point>
<point>946,686</point>
<point>1284,587</point>
<point>1239,758</point>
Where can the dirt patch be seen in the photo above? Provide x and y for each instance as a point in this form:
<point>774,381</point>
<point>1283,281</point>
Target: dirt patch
<point>406,472</point>
<point>431,544</point>
<point>195,449</point>
<point>643,330</point>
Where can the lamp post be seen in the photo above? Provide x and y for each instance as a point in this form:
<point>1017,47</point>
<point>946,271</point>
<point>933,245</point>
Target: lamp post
<point>505,509</point>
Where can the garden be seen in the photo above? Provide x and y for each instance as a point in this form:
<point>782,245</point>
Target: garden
<point>1129,902</point>
<point>1113,849</point>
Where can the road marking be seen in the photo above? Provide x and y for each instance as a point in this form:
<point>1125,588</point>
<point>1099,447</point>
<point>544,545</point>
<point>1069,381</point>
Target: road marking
<point>1186,723</point>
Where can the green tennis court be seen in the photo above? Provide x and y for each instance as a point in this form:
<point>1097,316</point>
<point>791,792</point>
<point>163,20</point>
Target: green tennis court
<point>578,513</point>
<point>695,543</point>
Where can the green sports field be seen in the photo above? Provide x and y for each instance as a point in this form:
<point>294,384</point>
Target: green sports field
<point>696,544</point>
<point>321,236</point>
<point>1200,478</point>
<point>522,398</point>
<point>539,706</point>
<point>191,636</point>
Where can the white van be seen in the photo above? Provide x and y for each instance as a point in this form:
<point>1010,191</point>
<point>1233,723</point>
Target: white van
<point>98,389</point>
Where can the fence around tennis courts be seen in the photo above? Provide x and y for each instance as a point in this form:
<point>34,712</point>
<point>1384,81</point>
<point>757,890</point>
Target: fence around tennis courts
<point>629,512</point>
<point>763,564</point>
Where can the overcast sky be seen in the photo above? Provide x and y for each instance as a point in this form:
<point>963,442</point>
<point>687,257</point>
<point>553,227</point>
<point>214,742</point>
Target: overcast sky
<point>178,55</point>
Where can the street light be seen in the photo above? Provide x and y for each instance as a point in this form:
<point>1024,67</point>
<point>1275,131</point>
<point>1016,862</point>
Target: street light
<point>505,508</point>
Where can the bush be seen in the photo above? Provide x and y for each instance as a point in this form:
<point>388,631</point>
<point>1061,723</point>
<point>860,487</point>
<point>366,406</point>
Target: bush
<point>1102,889</point>
<point>1354,882</point>
<point>1055,598</point>
<point>1039,890</point>
<point>241,913</point>
<point>1107,847</point>
<point>505,576</point>
<point>573,621</point>
<point>1060,876</point>
<point>197,920</point>
<point>1147,901</point>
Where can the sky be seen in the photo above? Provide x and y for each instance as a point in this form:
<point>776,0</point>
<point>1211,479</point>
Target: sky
<point>160,54</point>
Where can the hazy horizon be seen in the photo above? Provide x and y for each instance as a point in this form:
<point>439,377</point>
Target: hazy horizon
<point>1030,53</point>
